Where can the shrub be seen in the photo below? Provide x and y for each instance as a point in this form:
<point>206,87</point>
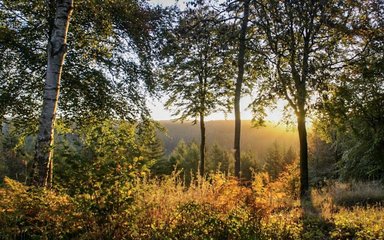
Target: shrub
<point>35,213</point>
<point>359,223</point>
<point>280,193</point>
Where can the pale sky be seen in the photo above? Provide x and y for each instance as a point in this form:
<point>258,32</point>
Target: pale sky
<point>160,113</point>
<point>167,2</point>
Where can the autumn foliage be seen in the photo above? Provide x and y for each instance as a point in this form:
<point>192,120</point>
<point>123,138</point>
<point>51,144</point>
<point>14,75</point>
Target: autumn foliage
<point>218,207</point>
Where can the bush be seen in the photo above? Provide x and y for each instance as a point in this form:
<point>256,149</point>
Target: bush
<point>359,223</point>
<point>280,193</point>
<point>35,213</point>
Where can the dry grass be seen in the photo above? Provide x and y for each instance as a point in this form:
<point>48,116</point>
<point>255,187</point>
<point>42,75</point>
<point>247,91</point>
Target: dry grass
<point>357,193</point>
<point>349,195</point>
<point>161,198</point>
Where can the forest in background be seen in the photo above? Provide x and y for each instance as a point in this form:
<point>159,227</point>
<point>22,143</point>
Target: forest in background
<point>221,132</point>
<point>81,157</point>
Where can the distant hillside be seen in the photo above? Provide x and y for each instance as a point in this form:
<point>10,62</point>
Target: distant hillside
<point>257,140</point>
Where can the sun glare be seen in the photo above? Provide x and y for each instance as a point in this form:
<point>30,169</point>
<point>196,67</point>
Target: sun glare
<point>275,115</point>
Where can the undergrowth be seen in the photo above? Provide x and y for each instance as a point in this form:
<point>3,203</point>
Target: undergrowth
<point>216,207</point>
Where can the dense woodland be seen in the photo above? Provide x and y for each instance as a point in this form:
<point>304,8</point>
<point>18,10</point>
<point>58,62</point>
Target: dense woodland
<point>82,158</point>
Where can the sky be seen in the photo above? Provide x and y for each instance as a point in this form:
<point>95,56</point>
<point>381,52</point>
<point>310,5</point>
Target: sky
<point>160,113</point>
<point>166,2</point>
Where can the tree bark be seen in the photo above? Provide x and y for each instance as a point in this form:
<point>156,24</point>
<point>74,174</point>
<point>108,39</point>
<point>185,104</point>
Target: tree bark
<point>57,48</point>
<point>301,86</point>
<point>304,183</point>
<point>50,173</point>
<point>1,139</point>
<point>202,145</point>
<point>239,83</point>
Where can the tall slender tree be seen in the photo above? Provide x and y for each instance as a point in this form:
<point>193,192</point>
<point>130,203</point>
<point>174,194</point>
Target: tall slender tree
<point>299,42</point>
<point>239,83</point>
<point>57,49</point>
<point>197,69</point>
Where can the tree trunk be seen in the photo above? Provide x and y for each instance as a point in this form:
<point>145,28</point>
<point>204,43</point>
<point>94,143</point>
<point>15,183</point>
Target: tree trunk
<point>301,116</point>
<point>239,83</point>
<point>50,173</point>
<point>1,139</point>
<point>57,48</point>
<point>304,184</point>
<point>202,145</point>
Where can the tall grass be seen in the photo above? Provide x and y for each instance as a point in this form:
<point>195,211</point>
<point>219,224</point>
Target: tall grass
<point>357,193</point>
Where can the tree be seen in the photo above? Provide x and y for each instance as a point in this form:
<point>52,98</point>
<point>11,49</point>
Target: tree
<point>239,16</point>
<point>154,150</point>
<point>103,161</point>
<point>249,165</point>
<point>57,49</point>
<point>196,69</point>
<point>324,155</point>
<point>218,160</point>
<point>185,157</point>
<point>299,41</point>
<point>14,154</point>
<point>108,66</point>
<point>277,159</point>
<point>350,113</point>
<point>239,83</point>
<point>274,161</point>
<point>107,69</point>
<point>351,116</point>
<point>21,60</point>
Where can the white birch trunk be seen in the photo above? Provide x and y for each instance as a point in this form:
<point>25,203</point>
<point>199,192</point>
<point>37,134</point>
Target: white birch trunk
<point>57,48</point>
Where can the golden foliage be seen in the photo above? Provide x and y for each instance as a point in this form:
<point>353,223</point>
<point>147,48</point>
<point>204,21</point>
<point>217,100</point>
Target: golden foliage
<point>216,207</point>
